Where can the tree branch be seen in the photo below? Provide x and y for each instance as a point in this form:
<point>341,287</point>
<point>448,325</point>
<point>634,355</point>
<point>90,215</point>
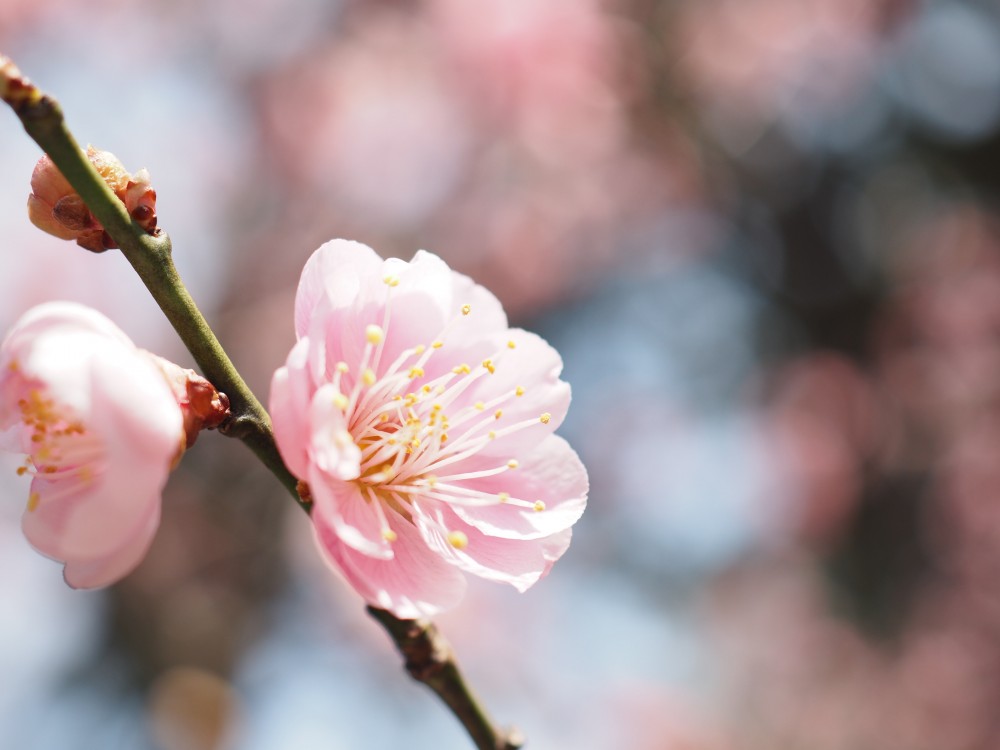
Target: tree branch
<point>429,657</point>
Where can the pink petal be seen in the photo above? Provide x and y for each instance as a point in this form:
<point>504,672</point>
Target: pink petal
<point>551,473</point>
<point>340,507</point>
<point>339,272</point>
<point>331,450</point>
<point>291,394</point>
<point>415,583</point>
<point>535,366</point>
<point>92,574</point>
<point>521,563</point>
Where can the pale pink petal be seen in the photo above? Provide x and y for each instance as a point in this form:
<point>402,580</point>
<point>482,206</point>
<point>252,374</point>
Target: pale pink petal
<point>416,582</point>
<point>342,508</point>
<point>91,574</point>
<point>552,474</point>
<point>534,366</point>
<point>519,562</point>
<point>291,395</point>
<point>339,271</point>
<point>331,450</point>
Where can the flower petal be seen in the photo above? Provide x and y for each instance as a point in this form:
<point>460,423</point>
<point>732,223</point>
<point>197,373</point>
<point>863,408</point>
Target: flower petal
<point>550,473</point>
<point>342,508</point>
<point>92,574</point>
<point>519,562</point>
<point>340,271</point>
<point>416,582</point>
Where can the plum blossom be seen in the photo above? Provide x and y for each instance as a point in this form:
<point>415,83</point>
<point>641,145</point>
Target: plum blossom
<point>101,429</point>
<point>423,427</point>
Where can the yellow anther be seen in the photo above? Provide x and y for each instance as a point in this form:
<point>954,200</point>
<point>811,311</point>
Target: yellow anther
<point>342,367</point>
<point>391,441</point>
<point>397,397</point>
<point>519,391</point>
<point>415,372</point>
<point>513,463</point>
<point>431,480</point>
<point>539,506</point>
<point>458,540</point>
<point>426,389</point>
<point>368,377</point>
<point>488,364</point>
<point>480,405</point>
<point>466,309</point>
<point>498,413</point>
<point>419,349</point>
<point>444,437</point>
<point>511,345</point>
<point>13,366</point>
<point>461,369</point>
<point>436,407</point>
<point>340,401</point>
<point>503,497</point>
<point>391,280</point>
<point>389,535</point>
<point>33,499</point>
<point>49,470</point>
<point>411,399</point>
<point>545,418</point>
<point>374,334</point>
<point>437,345</point>
<point>22,470</point>
<point>491,435</point>
<point>383,417</point>
<point>415,443</point>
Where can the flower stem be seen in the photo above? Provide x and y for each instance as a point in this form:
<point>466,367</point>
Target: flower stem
<point>429,657</point>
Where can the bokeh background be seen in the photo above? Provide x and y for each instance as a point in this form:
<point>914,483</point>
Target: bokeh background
<point>762,233</point>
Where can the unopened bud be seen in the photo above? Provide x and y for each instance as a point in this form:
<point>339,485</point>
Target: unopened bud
<point>54,206</point>
<point>203,407</point>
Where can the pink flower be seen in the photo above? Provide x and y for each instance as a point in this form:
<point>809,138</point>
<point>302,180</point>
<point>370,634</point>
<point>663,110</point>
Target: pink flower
<point>101,429</point>
<point>423,426</point>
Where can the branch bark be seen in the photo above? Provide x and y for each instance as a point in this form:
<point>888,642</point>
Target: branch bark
<point>428,656</point>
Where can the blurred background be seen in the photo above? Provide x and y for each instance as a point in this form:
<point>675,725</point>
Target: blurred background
<point>762,234</point>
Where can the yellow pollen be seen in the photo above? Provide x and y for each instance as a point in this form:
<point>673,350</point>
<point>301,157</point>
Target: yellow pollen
<point>374,334</point>
<point>368,377</point>
<point>437,345</point>
<point>444,437</point>
<point>49,470</point>
<point>426,389</point>
<point>415,443</point>
<point>458,540</point>
<point>461,369</point>
<point>539,506</point>
<point>391,280</point>
<point>497,414</point>
<point>22,470</point>
<point>13,366</point>
<point>33,499</point>
<point>342,367</point>
<point>37,437</point>
<point>391,441</point>
<point>466,309</point>
<point>544,419</point>
<point>491,435</point>
<point>503,497</point>
<point>419,349</point>
<point>437,407</point>
<point>415,372</point>
<point>513,463</point>
<point>431,480</point>
<point>488,364</point>
<point>340,401</point>
<point>389,535</point>
<point>480,405</point>
<point>511,345</point>
<point>397,397</point>
<point>411,399</point>
<point>383,417</point>
<point>519,391</point>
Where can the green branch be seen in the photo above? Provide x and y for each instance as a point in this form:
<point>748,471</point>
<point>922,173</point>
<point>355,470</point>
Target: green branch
<point>429,658</point>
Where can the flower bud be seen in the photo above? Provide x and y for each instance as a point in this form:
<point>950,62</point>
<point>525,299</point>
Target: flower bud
<point>54,206</point>
<point>202,406</point>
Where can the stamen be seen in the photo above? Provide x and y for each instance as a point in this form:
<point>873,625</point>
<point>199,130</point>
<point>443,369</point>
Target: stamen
<point>545,418</point>
<point>458,540</point>
<point>466,309</point>
<point>374,334</point>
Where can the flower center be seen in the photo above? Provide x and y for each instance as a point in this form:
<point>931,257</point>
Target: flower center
<point>60,449</point>
<point>414,431</point>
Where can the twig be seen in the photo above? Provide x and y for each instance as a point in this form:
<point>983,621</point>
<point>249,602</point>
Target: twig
<point>429,658</point>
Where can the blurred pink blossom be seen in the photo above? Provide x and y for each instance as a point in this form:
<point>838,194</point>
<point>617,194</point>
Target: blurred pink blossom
<point>423,426</point>
<point>101,429</point>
